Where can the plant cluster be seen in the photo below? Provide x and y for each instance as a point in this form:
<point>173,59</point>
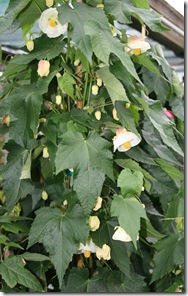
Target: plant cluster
<point>91,152</point>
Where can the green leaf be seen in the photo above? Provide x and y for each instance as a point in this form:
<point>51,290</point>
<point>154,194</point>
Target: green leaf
<point>130,183</point>
<point>75,17</point>
<point>123,11</point>
<point>173,172</point>
<point>126,118</point>
<point>176,207</point>
<point>161,150</point>
<point>149,232</point>
<point>13,186</point>
<point>140,155</point>
<point>36,6</point>
<point>15,227</point>
<point>103,44</point>
<point>12,11</point>
<point>141,4</point>
<point>156,116</point>
<point>121,73</point>
<point>60,234</point>
<point>80,282</point>
<point>74,151</point>
<point>128,211</point>
<point>114,87</point>
<point>66,84</point>
<point>88,185</point>
<point>13,272</point>
<point>34,257</point>
<point>3,239</point>
<point>120,283</point>
<point>145,61</point>
<point>169,253</point>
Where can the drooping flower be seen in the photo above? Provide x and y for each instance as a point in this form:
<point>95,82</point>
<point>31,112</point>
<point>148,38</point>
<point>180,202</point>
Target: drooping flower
<point>121,235</point>
<point>98,115</point>
<point>136,45</point>
<point>88,248</point>
<point>169,113</point>
<point>44,195</point>
<point>103,253</point>
<point>30,45</point>
<point>95,90</point>
<point>49,23</point>
<point>45,152</point>
<point>124,140</point>
<point>98,204</point>
<point>43,68</point>
<point>58,99</point>
<point>94,223</point>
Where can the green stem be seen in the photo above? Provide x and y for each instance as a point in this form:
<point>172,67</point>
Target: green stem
<point>68,43</point>
<point>85,87</point>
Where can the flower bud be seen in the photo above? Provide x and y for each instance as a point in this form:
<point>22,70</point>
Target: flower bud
<point>99,81</point>
<point>98,204</point>
<point>127,105</point>
<point>94,223</point>
<point>98,115</point>
<point>58,100</point>
<point>6,120</point>
<point>76,62</point>
<point>43,68</point>
<point>44,195</point>
<point>101,6</point>
<point>95,90</point>
<point>45,152</point>
<point>49,3</point>
<point>114,113</point>
<point>103,252</point>
<point>30,45</point>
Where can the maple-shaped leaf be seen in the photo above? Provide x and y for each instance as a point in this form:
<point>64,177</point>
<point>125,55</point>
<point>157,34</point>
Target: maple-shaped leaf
<point>80,153</point>
<point>60,234</point>
<point>124,10</point>
<point>76,16</point>
<point>13,272</point>
<point>169,253</point>
<point>128,211</point>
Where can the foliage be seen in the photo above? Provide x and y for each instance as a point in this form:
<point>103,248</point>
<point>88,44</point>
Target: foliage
<point>57,158</point>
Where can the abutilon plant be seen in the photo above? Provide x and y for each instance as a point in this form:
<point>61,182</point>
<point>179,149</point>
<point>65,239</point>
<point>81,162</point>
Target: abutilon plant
<point>91,151</point>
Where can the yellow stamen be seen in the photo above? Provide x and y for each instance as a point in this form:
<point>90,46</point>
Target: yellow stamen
<point>136,51</point>
<point>87,254</point>
<point>52,23</point>
<point>127,145</point>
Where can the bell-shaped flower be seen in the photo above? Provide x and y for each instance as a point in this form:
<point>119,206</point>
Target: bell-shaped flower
<point>136,45</point>
<point>103,253</point>
<point>94,223</point>
<point>43,68</point>
<point>124,140</point>
<point>121,235</point>
<point>169,113</point>
<point>49,23</point>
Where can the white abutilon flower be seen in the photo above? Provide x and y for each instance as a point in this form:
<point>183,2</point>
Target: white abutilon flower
<point>103,253</point>
<point>49,23</point>
<point>136,45</point>
<point>87,249</point>
<point>124,140</point>
<point>121,235</point>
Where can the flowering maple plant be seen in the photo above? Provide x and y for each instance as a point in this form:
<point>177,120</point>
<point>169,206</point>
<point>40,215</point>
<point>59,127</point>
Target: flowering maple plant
<point>91,156</point>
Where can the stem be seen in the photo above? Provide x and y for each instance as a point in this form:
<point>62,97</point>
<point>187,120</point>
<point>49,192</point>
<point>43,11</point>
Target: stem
<point>85,87</point>
<point>68,44</point>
